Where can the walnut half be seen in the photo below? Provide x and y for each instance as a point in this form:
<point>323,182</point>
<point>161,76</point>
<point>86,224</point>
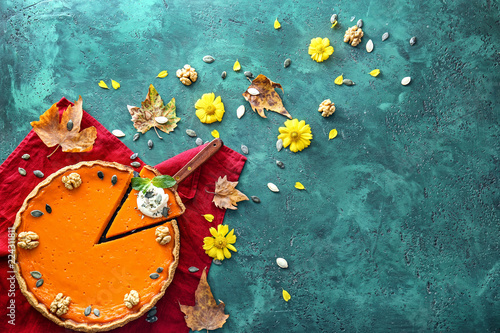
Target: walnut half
<point>72,181</point>
<point>163,235</point>
<point>187,75</point>
<point>131,299</point>
<point>27,240</point>
<point>353,35</point>
<point>60,304</point>
<point>327,108</point>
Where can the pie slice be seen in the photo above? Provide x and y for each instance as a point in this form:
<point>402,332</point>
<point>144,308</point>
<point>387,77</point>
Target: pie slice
<point>72,278</point>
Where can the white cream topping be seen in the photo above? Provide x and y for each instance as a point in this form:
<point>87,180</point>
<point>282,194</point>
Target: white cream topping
<point>152,202</point>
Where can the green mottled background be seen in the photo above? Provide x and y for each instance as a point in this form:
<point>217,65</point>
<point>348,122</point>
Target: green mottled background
<point>398,230</point>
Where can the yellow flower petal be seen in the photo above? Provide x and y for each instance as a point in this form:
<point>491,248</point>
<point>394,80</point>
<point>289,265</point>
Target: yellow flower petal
<point>231,238</point>
<point>208,217</point>
<point>212,252</point>
<point>231,247</point>
<point>236,66</point>
<point>338,81</point>
<point>299,186</point>
<point>215,134</point>
<point>162,74</point>
<point>277,25</point>
<point>332,134</point>
<point>227,254</point>
<point>115,84</point>
<point>213,232</point>
<point>220,254</point>
<point>103,84</point>
<point>334,24</point>
<point>286,295</point>
<point>375,72</point>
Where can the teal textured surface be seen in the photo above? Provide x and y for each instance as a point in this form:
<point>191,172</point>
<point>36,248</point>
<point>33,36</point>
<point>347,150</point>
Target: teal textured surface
<point>398,228</point>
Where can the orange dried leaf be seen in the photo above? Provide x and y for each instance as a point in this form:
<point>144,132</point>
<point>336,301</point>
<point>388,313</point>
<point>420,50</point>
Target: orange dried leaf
<point>267,98</point>
<point>226,195</point>
<point>69,138</point>
<point>206,314</point>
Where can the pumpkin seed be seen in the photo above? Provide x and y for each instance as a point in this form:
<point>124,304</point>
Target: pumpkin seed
<point>161,120</point>
<point>136,174</point>
<point>413,40</point>
<point>287,62</point>
<point>193,269</point>
<point>118,133</point>
<point>360,23</point>
<point>217,262</point>
<point>164,211</point>
<point>240,111</point>
<point>199,141</point>
<point>281,263</point>
<point>208,59</point>
<point>191,133</point>
<point>353,18</point>
<point>223,75</point>
<point>36,213</point>
<point>406,81</point>
<point>135,164</point>
<point>248,74</point>
<point>136,136</point>
<point>38,173</point>
<point>87,311</point>
<point>333,18</point>
<point>348,82</point>
<point>69,125</point>
<point>253,91</point>
<point>255,199</point>
<point>150,144</point>
<point>39,283</point>
<point>369,46</point>
<point>22,171</point>
<point>151,319</point>
<point>154,276</point>
<point>48,208</point>
<point>100,174</point>
<point>159,269</point>
<point>114,179</point>
<point>273,187</point>
<point>244,149</point>
<point>26,157</point>
<point>280,164</point>
<point>152,312</point>
<point>97,313</point>
<point>36,274</point>
<point>385,36</point>
<point>279,144</point>
<point>134,156</point>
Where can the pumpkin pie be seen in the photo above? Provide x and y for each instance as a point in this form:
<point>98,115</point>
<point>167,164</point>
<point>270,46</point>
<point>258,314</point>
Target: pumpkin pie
<point>86,257</point>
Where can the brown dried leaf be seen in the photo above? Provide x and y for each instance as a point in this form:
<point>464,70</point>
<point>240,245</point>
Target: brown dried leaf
<point>226,195</point>
<point>153,107</point>
<point>268,98</point>
<point>206,313</point>
<point>52,132</point>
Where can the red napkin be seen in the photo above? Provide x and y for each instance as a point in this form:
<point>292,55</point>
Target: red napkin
<point>193,226</point>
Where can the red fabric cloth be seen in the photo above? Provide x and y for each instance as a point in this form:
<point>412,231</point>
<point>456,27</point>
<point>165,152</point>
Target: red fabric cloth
<point>193,227</point>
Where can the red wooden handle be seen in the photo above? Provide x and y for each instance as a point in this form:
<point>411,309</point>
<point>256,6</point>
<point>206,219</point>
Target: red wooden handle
<point>200,158</point>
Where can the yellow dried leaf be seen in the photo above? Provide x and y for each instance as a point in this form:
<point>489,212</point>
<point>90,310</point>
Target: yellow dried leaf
<point>162,74</point>
<point>115,84</point>
<point>338,81</point>
<point>215,134</point>
<point>286,295</point>
<point>299,186</point>
<point>277,24</point>
<point>375,72</point>
<point>333,134</point>
<point>208,217</point>
<point>236,66</point>
<point>103,84</point>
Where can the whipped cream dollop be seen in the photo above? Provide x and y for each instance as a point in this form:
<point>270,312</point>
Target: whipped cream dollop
<point>152,202</point>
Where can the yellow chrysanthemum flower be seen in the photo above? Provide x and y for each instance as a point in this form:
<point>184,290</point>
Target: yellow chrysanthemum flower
<point>219,245</point>
<point>295,134</point>
<point>320,49</point>
<point>209,109</point>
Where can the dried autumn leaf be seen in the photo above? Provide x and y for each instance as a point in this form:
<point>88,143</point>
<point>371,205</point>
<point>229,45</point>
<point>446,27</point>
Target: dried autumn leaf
<point>277,24</point>
<point>115,84</point>
<point>299,186</point>
<point>206,313</point>
<point>52,132</point>
<point>267,98</point>
<point>162,74</point>
<point>208,217</point>
<point>338,81</point>
<point>226,195</point>
<point>375,72</point>
<point>151,108</point>
<point>332,134</point>
<point>215,134</point>
<point>103,84</point>
<point>286,295</point>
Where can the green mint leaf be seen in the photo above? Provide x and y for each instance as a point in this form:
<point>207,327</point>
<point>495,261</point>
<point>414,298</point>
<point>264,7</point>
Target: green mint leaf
<point>140,184</point>
<point>164,181</point>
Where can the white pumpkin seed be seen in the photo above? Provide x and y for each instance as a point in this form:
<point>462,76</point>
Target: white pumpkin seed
<point>253,91</point>
<point>333,18</point>
<point>273,187</point>
<point>279,144</point>
<point>134,156</point>
<point>161,120</point>
<point>97,313</point>
<point>208,59</point>
<point>199,141</point>
<point>248,74</point>
<point>87,311</point>
<point>348,82</point>
<point>413,40</point>
<point>405,81</point>
<point>136,136</point>
<point>287,62</point>
<point>240,111</point>
<point>244,149</point>
<point>385,36</point>
<point>118,133</point>
<point>217,262</point>
<point>150,144</point>
<point>38,173</point>
<point>223,75</point>
<point>26,157</point>
<point>360,23</point>
<point>191,133</point>
<point>282,263</point>
<point>193,269</point>
<point>369,46</point>
<point>36,213</point>
<point>280,164</point>
<point>21,171</point>
<point>135,164</point>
